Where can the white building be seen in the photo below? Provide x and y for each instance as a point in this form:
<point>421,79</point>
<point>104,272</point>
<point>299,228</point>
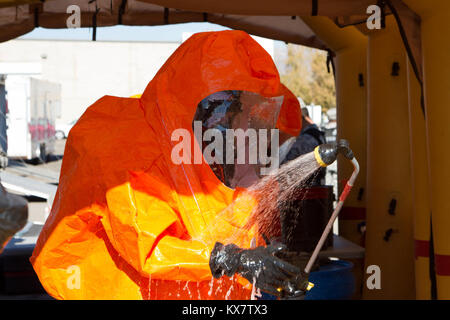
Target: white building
<point>86,70</point>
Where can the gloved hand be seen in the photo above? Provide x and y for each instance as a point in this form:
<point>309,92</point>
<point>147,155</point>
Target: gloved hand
<point>272,274</point>
<point>295,288</point>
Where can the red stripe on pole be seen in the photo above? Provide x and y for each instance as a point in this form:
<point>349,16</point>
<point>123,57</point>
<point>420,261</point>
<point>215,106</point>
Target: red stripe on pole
<point>352,213</point>
<point>442,263</point>
<point>422,248</point>
<point>345,193</point>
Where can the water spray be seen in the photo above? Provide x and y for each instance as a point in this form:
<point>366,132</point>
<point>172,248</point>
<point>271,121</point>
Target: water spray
<point>275,189</point>
<point>325,155</point>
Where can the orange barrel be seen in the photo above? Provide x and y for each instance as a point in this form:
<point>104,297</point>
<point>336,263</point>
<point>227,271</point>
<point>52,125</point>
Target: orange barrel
<point>389,235</point>
<point>435,25</point>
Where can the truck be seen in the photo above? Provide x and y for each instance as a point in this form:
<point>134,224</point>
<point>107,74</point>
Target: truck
<point>32,105</point>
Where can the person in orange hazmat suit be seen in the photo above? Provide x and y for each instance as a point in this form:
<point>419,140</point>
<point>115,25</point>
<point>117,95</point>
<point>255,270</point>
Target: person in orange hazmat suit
<point>129,222</point>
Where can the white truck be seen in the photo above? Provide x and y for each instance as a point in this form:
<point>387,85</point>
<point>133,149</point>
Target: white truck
<point>32,105</point>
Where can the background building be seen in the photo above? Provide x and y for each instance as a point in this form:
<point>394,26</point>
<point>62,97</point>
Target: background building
<point>88,70</point>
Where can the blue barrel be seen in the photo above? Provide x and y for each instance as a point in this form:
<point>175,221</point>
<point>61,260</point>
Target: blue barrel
<point>333,281</point>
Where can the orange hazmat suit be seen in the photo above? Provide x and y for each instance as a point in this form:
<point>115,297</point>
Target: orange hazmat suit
<point>128,223</point>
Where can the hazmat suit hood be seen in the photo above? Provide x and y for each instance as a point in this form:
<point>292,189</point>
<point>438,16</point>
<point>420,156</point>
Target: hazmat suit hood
<point>129,223</point>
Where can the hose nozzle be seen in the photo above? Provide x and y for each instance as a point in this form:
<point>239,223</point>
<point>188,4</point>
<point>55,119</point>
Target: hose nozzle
<point>327,153</point>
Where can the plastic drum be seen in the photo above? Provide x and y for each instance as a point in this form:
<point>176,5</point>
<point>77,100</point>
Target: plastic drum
<point>333,281</point>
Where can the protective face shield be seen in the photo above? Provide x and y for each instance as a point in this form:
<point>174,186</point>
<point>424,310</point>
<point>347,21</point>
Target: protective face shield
<point>239,140</point>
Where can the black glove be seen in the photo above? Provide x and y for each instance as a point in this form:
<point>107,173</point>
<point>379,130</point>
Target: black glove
<point>272,274</point>
<point>295,288</point>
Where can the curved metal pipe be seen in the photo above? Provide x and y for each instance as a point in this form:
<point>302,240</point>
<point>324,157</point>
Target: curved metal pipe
<point>329,152</point>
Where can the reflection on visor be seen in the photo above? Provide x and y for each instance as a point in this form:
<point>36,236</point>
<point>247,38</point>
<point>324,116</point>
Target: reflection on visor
<point>220,108</point>
<point>233,109</point>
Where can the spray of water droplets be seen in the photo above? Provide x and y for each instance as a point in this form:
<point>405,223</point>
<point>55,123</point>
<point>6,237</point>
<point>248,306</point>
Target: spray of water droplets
<point>274,192</point>
<point>278,189</point>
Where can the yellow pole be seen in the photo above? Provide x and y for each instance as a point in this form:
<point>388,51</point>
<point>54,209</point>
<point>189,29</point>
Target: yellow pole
<point>350,47</point>
<point>389,237</point>
<point>435,25</point>
<point>352,125</point>
<point>420,186</point>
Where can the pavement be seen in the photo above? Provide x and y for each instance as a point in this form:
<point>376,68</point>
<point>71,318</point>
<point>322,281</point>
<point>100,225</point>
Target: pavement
<point>17,278</point>
<point>48,173</point>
